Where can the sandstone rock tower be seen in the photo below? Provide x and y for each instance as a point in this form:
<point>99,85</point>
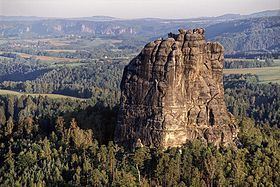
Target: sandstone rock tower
<point>173,92</point>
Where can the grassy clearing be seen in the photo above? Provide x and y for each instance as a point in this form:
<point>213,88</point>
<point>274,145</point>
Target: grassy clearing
<point>240,59</point>
<point>52,96</point>
<point>61,50</point>
<point>81,44</point>
<point>265,74</point>
<point>48,58</point>
<point>56,42</point>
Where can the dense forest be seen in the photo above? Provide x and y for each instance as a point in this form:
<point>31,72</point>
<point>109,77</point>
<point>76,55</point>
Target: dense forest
<point>88,80</point>
<point>68,142</point>
<point>69,155</point>
<point>244,96</point>
<point>244,63</point>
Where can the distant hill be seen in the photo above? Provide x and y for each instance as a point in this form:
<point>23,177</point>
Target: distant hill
<point>251,34</point>
<point>95,18</point>
<point>267,13</point>
<point>22,18</point>
<point>238,33</point>
<point>229,16</point>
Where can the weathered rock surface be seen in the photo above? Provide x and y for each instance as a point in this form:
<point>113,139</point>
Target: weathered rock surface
<point>173,92</point>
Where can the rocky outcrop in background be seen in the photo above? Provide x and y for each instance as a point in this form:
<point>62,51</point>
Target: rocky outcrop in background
<point>173,92</point>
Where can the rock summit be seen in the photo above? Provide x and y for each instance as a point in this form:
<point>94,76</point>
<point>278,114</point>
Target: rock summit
<point>173,92</point>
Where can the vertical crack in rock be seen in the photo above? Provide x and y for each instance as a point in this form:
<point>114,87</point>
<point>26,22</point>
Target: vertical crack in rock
<point>173,92</point>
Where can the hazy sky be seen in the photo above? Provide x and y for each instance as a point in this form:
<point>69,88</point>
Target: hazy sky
<point>133,8</point>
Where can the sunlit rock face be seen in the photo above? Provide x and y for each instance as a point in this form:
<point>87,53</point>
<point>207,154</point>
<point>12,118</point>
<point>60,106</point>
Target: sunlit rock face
<point>173,92</point>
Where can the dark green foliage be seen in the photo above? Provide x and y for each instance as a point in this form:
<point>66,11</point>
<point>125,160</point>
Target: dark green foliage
<point>52,142</point>
<point>96,80</point>
<point>19,69</point>
<point>56,159</point>
<point>24,111</point>
<point>255,63</point>
<point>244,96</point>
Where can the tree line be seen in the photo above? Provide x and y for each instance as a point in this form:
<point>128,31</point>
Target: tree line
<point>245,63</point>
<point>245,96</point>
<point>70,156</point>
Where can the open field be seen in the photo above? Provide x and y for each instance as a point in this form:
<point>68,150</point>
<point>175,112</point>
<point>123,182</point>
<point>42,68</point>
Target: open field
<point>61,50</point>
<point>56,42</point>
<point>53,96</point>
<point>48,58</point>
<point>63,43</point>
<point>240,59</point>
<point>265,74</point>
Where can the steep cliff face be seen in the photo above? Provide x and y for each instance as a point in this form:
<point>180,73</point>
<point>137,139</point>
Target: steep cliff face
<point>173,92</point>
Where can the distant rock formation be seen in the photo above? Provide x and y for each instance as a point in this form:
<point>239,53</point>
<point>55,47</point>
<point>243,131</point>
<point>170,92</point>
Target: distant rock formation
<point>173,92</point>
